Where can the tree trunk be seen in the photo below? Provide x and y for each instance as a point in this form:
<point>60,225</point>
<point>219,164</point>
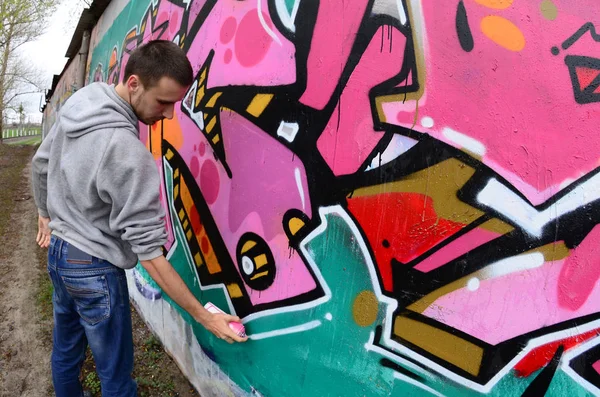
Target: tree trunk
<point>5,58</point>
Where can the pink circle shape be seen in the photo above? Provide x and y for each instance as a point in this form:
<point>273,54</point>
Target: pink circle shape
<point>202,149</point>
<point>228,30</point>
<point>209,181</point>
<point>228,55</point>
<point>252,42</point>
<point>174,24</point>
<point>195,167</point>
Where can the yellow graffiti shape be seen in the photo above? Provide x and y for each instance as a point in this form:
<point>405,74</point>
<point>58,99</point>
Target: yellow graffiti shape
<point>503,32</point>
<point>496,4</point>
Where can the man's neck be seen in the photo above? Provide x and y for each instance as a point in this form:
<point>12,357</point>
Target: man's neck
<point>122,92</point>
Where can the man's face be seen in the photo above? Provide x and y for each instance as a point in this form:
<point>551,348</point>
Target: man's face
<point>156,103</point>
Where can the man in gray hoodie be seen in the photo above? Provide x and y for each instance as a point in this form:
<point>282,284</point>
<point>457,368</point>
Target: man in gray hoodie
<point>97,190</point>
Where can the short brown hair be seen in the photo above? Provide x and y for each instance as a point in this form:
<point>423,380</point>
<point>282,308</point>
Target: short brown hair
<point>157,59</point>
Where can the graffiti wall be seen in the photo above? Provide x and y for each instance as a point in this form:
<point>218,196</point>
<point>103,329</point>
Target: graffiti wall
<point>65,87</point>
<point>399,197</point>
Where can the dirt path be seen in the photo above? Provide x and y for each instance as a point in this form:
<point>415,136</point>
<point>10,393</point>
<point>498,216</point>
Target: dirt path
<point>26,307</point>
<point>24,350</point>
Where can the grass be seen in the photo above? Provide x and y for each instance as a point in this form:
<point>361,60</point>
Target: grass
<point>33,141</point>
<point>155,372</point>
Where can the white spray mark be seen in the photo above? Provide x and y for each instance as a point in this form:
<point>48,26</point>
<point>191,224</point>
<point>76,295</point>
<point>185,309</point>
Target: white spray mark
<point>427,122</point>
<point>264,23</point>
<point>286,331</point>
<point>198,117</point>
<point>300,188</point>
<point>397,147</point>
<point>464,141</point>
<point>328,317</point>
<point>473,284</point>
<point>414,382</point>
<point>370,346</point>
<point>289,21</point>
<point>513,264</point>
<point>500,198</point>
<point>402,12</point>
<point>288,131</point>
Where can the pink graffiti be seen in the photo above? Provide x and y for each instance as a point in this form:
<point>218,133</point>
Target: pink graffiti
<point>333,37</point>
<point>263,168</point>
<point>508,306</point>
<point>349,137</point>
<point>462,245</point>
<point>252,42</point>
<point>245,51</point>
<point>581,272</point>
<point>267,180</point>
<point>195,9</point>
<point>518,105</point>
<point>209,181</point>
<point>596,366</point>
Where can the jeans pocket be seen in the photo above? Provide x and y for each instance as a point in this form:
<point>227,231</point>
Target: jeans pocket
<point>91,297</point>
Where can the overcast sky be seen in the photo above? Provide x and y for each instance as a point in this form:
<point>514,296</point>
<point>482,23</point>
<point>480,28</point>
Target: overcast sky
<point>48,52</point>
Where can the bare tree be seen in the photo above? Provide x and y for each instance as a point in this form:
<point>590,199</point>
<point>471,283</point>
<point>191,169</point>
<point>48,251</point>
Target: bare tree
<point>21,112</point>
<point>21,21</point>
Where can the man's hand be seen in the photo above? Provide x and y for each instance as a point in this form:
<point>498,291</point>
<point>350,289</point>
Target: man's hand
<point>44,232</point>
<point>218,324</point>
<point>169,280</point>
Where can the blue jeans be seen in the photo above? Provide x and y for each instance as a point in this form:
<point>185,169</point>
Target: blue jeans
<point>91,306</point>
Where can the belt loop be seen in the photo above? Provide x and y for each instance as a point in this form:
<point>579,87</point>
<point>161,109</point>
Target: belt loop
<point>60,251</point>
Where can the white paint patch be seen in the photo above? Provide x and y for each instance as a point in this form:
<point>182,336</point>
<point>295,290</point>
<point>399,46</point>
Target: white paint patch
<point>414,382</point>
<point>264,23</point>
<point>500,198</point>
<point>288,131</point>
<point>298,175</point>
<point>393,8</point>
<point>289,21</point>
<point>197,117</point>
<point>370,346</point>
<point>513,264</point>
<point>427,122</point>
<point>402,12</point>
<point>328,317</point>
<point>464,141</point>
<point>247,265</point>
<point>286,331</point>
<point>397,147</point>
<point>473,284</point>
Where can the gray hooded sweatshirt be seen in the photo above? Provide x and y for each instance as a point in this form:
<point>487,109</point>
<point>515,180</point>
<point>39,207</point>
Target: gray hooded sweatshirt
<point>97,182</point>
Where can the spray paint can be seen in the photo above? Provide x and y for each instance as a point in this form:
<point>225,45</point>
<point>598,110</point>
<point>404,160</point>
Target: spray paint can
<point>236,327</point>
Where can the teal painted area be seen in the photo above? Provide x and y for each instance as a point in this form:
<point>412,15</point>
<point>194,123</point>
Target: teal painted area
<point>128,18</point>
<point>562,383</point>
<point>290,5</point>
<point>330,359</point>
<point>295,363</point>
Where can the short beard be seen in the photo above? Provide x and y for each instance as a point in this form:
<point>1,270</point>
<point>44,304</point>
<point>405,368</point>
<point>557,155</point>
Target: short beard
<point>134,107</point>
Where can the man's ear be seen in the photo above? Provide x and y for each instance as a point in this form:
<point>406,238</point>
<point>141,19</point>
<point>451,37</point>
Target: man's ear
<point>133,83</point>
